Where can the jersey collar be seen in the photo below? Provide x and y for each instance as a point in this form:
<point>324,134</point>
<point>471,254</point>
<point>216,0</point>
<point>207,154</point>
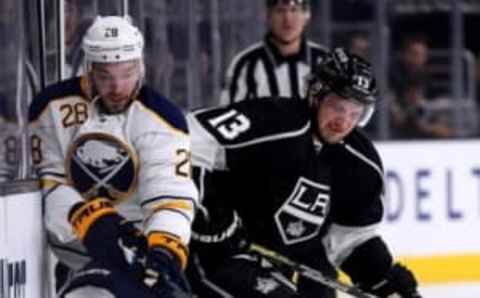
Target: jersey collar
<point>279,58</point>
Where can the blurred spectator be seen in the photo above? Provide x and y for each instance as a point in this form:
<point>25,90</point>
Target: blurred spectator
<point>278,65</point>
<point>359,44</point>
<point>410,64</point>
<point>412,116</point>
<point>75,27</point>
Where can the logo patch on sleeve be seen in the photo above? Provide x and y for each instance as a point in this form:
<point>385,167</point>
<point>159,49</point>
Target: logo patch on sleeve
<point>301,216</point>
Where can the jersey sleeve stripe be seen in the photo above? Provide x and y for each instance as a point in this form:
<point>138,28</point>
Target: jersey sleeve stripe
<point>183,205</point>
<point>187,217</point>
<point>366,160</point>
<point>49,191</point>
<point>166,197</point>
<point>340,240</point>
<point>43,174</point>
<point>270,138</point>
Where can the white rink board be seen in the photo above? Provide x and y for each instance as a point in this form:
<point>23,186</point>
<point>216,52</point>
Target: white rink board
<point>433,197</point>
<point>445,291</point>
<point>23,245</point>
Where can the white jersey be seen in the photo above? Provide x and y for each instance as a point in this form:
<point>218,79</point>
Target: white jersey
<point>139,158</point>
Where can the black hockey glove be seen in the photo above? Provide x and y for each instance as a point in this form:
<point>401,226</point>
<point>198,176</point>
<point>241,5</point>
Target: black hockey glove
<point>164,276</point>
<point>398,280</point>
<point>108,237</point>
<point>221,235</point>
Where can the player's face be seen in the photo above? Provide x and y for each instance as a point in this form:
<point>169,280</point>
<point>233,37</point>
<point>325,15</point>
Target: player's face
<point>115,83</point>
<point>287,22</point>
<point>337,117</point>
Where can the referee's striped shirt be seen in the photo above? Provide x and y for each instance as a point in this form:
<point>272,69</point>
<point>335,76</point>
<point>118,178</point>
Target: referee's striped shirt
<point>261,71</point>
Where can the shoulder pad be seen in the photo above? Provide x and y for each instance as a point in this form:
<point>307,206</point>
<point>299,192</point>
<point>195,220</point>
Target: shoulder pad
<point>53,92</point>
<point>163,107</point>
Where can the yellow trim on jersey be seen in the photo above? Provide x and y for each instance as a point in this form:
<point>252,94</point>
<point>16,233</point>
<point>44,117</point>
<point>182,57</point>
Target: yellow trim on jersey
<point>172,243</point>
<point>177,204</point>
<point>160,119</point>
<point>48,183</point>
<point>441,269</point>
<point>83,218</point>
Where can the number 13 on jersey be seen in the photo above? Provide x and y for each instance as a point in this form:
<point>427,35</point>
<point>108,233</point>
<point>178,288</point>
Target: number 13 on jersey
<point>230,124</point>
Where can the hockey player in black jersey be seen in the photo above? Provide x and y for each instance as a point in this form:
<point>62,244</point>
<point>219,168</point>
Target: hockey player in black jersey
<point>298,178</point>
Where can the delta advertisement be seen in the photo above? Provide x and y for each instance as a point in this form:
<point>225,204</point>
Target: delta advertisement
<point>432,208</point>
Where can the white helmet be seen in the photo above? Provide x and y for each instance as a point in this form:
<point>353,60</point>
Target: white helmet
<point>112,39</point>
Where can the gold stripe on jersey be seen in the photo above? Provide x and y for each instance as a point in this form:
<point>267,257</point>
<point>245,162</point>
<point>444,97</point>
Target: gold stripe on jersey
<point>158,118</point>
<point>83,218</point>
<point>47,184</point>
<point>172,243</point>
<point>177,204</point>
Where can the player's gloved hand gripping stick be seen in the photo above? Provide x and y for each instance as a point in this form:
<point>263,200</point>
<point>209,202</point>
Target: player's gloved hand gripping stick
<point>399,281</point>
<point>157,261</point>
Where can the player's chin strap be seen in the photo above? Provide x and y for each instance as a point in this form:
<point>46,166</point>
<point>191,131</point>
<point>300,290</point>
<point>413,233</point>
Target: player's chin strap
<point>308,272</point>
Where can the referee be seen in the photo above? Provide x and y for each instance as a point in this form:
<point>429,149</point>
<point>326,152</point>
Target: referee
<point>277,65</point>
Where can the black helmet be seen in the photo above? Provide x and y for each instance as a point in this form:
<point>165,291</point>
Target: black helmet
<point>304,3</point>
<point>345,74</point>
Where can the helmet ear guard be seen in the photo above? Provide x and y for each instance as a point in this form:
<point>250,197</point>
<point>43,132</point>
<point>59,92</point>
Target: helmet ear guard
<point>344,74</point>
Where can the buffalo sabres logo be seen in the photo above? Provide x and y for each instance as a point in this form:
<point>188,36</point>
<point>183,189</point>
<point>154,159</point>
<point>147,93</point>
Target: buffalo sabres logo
<point>101,165</point>
<point>303,213</point>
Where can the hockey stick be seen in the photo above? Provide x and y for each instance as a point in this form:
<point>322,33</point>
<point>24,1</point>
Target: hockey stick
<point>310,273</point>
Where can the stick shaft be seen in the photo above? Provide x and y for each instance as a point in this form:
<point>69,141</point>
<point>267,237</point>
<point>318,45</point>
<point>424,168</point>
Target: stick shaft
<point>310,273</point>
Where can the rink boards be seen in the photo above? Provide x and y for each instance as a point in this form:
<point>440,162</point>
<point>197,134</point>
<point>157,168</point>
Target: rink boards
<point>432,208</point>
<point>22,245</point>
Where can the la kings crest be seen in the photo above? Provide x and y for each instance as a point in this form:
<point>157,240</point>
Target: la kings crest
<point>301,216</point>
<point>99,164</point>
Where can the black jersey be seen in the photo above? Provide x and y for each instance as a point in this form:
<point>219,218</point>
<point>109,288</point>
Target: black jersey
<point>295,195</point>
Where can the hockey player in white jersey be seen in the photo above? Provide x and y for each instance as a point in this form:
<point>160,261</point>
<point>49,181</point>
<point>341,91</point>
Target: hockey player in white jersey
<point>113,158</point>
